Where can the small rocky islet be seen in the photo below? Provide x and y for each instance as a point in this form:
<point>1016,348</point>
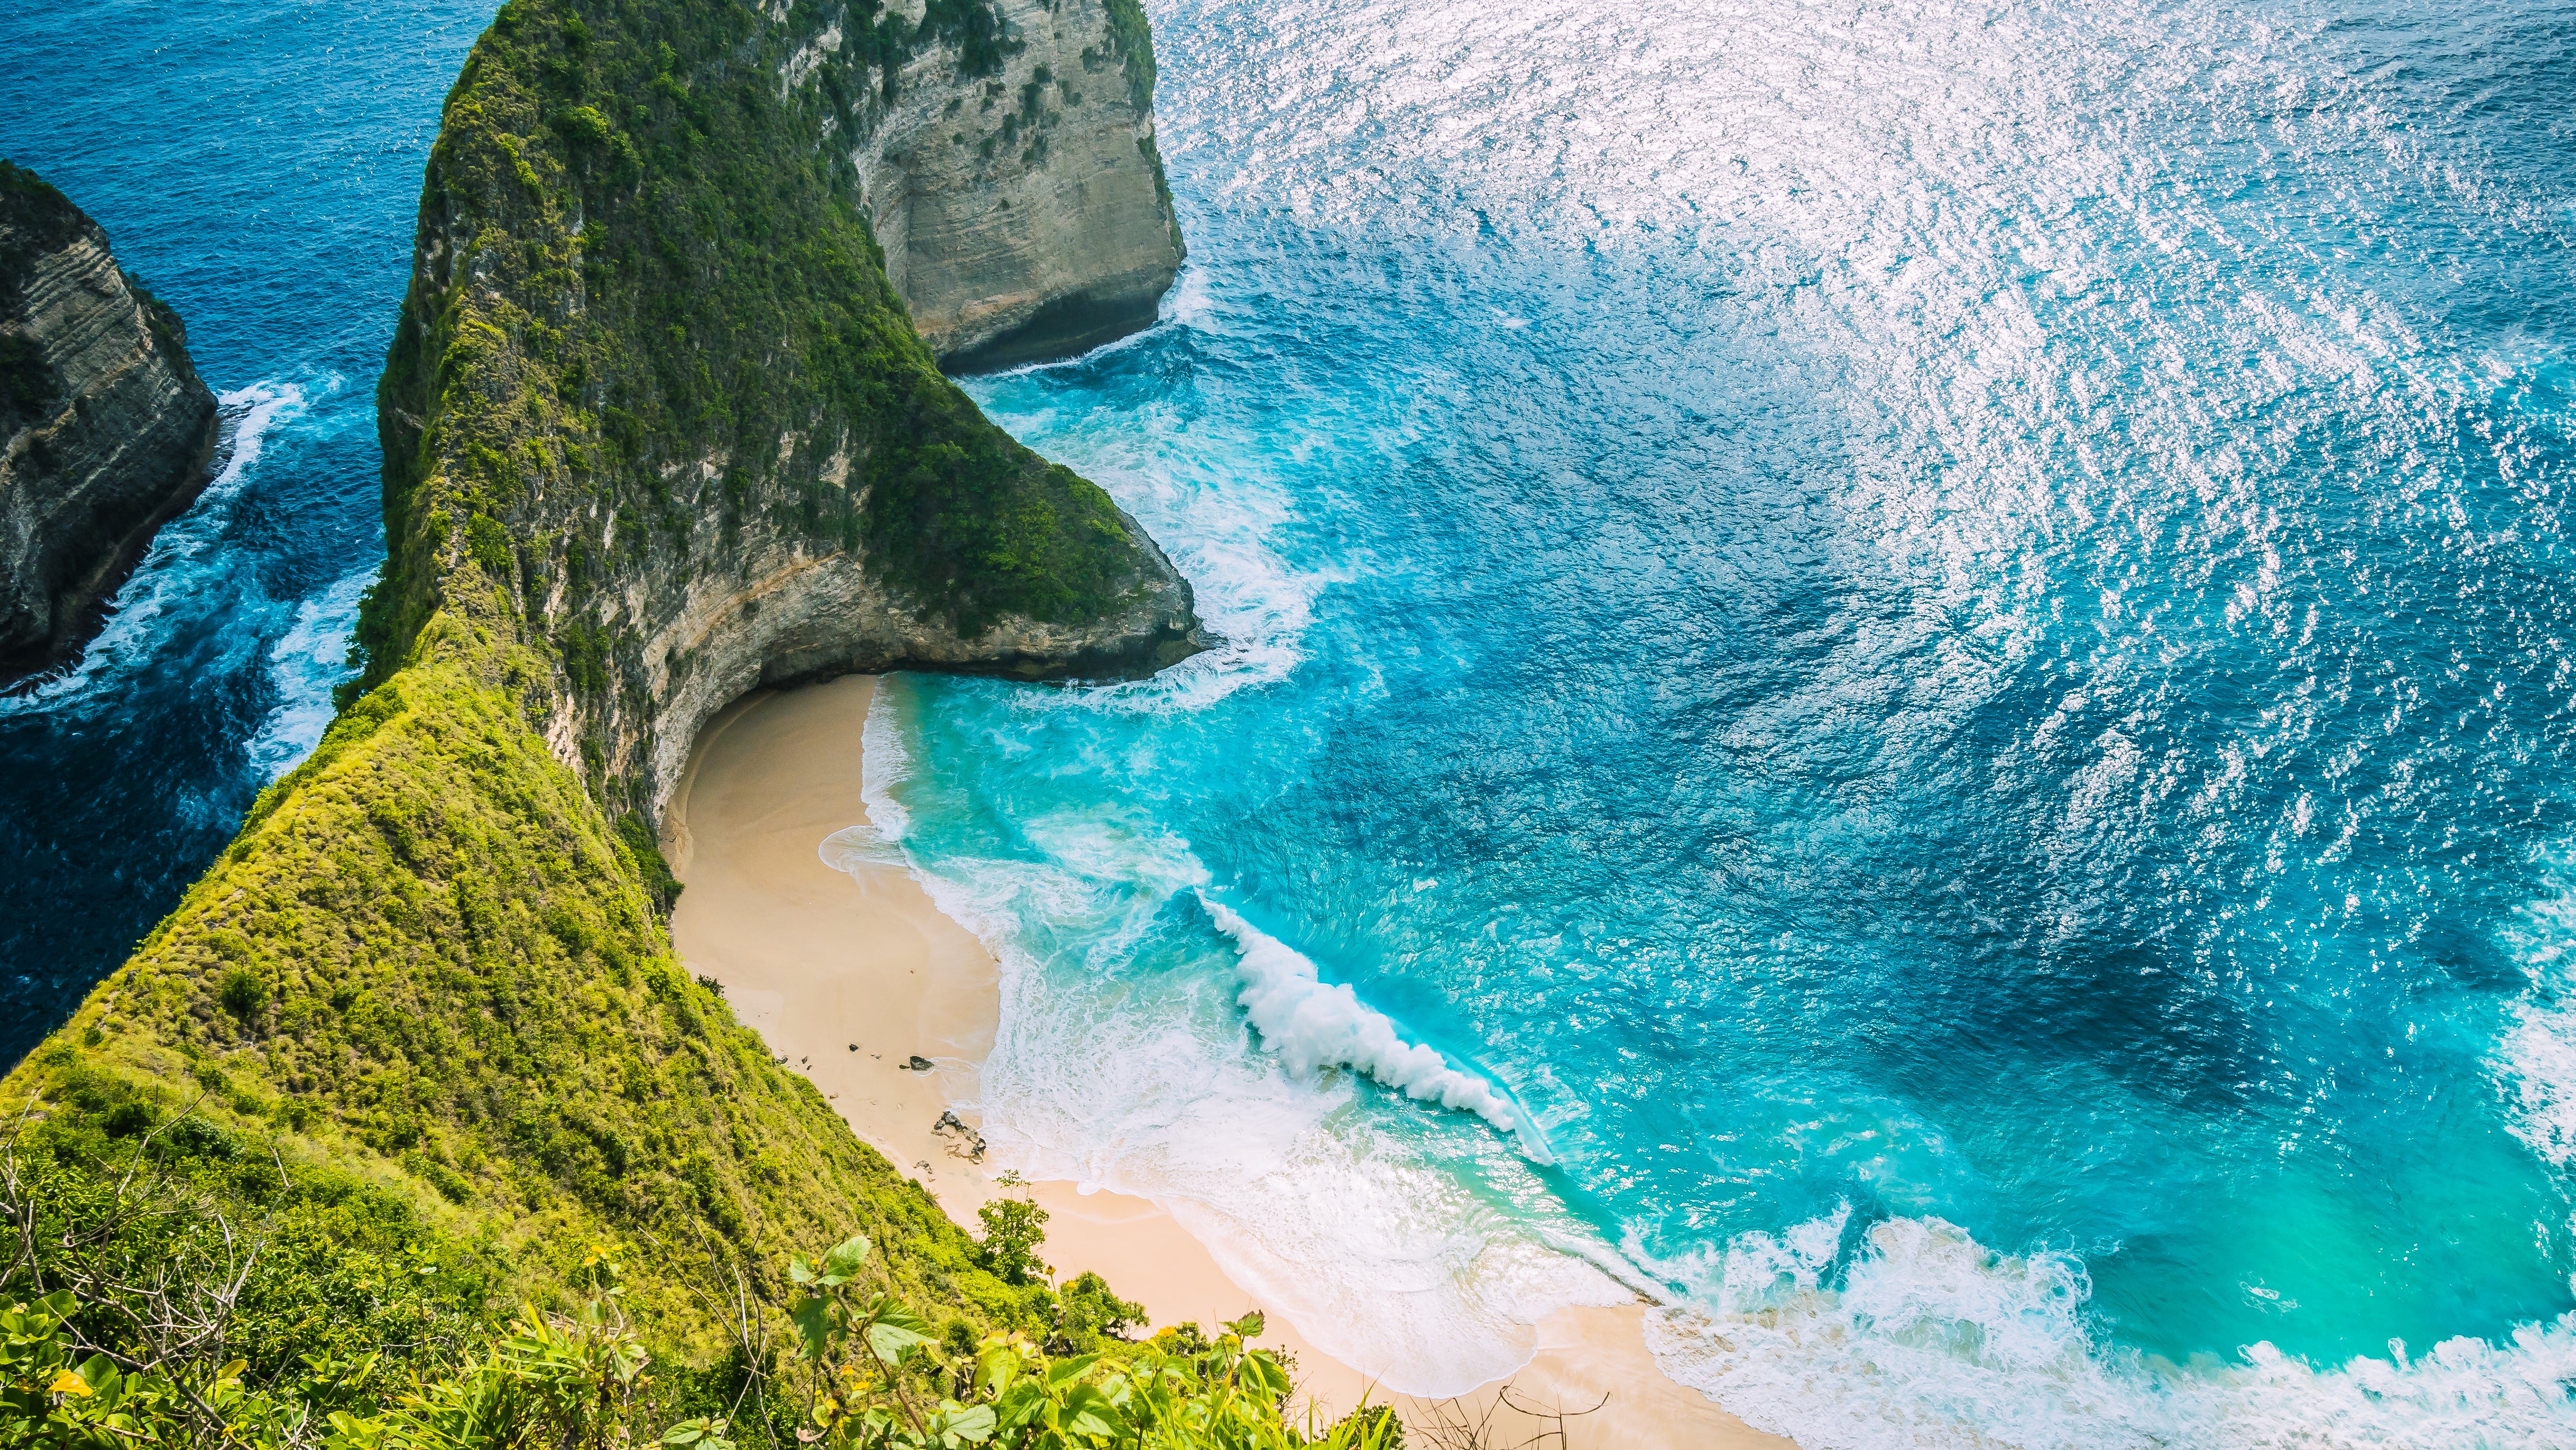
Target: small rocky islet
<point>105,428</point>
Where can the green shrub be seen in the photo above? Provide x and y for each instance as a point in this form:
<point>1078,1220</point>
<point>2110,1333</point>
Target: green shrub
<point>1092,1313</point>
<point>584,125</point>
<point>1013,1229</point>
<point>242,993</point>
<point>140,1311</point>
<point>659,884</point>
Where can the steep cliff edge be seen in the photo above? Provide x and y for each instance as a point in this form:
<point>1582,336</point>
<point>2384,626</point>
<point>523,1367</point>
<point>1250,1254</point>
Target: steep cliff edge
<point>655,399</point>
<point>657,430</point>
<point>107,428</point>
<point>1014,182</point>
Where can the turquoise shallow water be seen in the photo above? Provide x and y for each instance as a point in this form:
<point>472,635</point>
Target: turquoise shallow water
<point>1937,635</point>
<point>1919,653</point>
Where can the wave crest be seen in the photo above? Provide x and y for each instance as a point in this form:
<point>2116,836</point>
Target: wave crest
<point>174,574</point>
<point>1313,1026</point>
<point>1933,1340</point>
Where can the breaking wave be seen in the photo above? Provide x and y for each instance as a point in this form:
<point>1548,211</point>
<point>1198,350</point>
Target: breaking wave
<point>1312,1026</point>
<point>186,561</point>
<point>306,665</point>
<point>1913,1335</point>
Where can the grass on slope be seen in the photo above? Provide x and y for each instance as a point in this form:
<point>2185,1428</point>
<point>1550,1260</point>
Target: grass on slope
<point>429,967</point>
<point>429,977</point>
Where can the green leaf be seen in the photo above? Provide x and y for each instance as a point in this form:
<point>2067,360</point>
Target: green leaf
<point>1248,1327</point>
<point>1088,1412</point>
<point>1265,1372</point>
<point>894,1331</point>
<point>997,1369</point>
<point>842,1264</point>
<point>969,1426</point>
<point>814,1322</point>
<point>1024,1403</point>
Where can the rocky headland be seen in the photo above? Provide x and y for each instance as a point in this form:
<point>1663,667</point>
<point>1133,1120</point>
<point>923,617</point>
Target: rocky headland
<point>659,428</point>
<point>657,397</point>
<point>107,427</point>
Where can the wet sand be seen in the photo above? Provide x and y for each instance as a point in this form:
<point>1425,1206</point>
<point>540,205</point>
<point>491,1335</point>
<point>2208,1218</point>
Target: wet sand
<point>851,974</point>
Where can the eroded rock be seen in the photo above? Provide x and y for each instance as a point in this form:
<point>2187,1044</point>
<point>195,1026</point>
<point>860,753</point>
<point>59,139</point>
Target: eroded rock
<point>108,428</point>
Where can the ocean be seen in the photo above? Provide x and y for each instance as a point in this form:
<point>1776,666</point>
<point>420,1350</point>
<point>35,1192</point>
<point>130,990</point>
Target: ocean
<point>259,167</point>
<point>1899,675</point>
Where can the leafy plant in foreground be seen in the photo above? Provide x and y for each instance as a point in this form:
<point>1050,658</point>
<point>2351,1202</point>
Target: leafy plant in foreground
<point>873,1378</point>
<point>864,1351</point>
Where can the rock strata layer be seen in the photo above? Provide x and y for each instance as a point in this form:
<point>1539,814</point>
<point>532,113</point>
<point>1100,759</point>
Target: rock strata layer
<point>108,427</point>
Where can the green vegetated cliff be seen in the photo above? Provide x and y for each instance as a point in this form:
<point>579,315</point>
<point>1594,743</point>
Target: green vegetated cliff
<point>422,1018</point>
<point>653,399</point>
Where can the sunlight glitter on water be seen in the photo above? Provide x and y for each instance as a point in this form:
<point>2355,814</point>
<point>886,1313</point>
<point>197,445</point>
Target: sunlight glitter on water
<point>1959,607</point>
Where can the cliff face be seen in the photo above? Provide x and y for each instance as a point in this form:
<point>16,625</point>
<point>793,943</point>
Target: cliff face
<point>1015,185</point>
<point>107,427</point>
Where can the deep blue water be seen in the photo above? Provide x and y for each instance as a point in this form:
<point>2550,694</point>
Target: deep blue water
<point>259,167</point>
<point>1928,646</point>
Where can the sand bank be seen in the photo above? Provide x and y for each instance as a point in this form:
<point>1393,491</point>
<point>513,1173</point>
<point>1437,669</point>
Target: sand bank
<point>851,974</point>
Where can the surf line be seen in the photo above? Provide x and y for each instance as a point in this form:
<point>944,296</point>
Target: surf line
<point>1313,1025</point>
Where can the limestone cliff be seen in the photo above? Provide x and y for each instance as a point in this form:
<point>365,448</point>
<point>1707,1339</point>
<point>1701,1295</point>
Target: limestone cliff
<point>1015,186</point>
<point>107,427</point>
<point>657,407</point>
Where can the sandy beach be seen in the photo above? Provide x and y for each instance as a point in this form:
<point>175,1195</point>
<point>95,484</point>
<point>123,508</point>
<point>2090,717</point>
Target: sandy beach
<point>850,975</point>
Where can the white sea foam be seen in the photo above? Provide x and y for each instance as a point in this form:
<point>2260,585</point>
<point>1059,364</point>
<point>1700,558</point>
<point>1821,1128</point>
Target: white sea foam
<point>1383,1258</point>
<point>308,662</point>
<point>1379,1254</point>
<point>1744,121</point>
<point>1190,302</point>
<point>2536,1058</point>
<point>1933,1340</point>
<point>1312,1026</point>
<point>883,760</point>
<point>1376,1256</point>
<point>1255,607</point>
<point>1151,1085</point>
<point>173,572</point>
<point>1213,505</point>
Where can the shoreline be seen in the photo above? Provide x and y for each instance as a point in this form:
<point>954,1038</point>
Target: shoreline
<point>849,974</point>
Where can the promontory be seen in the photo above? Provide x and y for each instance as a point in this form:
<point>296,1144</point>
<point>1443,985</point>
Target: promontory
<point>661,425</point>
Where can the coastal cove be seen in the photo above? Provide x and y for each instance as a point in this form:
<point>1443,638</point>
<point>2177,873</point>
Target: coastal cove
<point>820,935</point>
<point>1857,725</point>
